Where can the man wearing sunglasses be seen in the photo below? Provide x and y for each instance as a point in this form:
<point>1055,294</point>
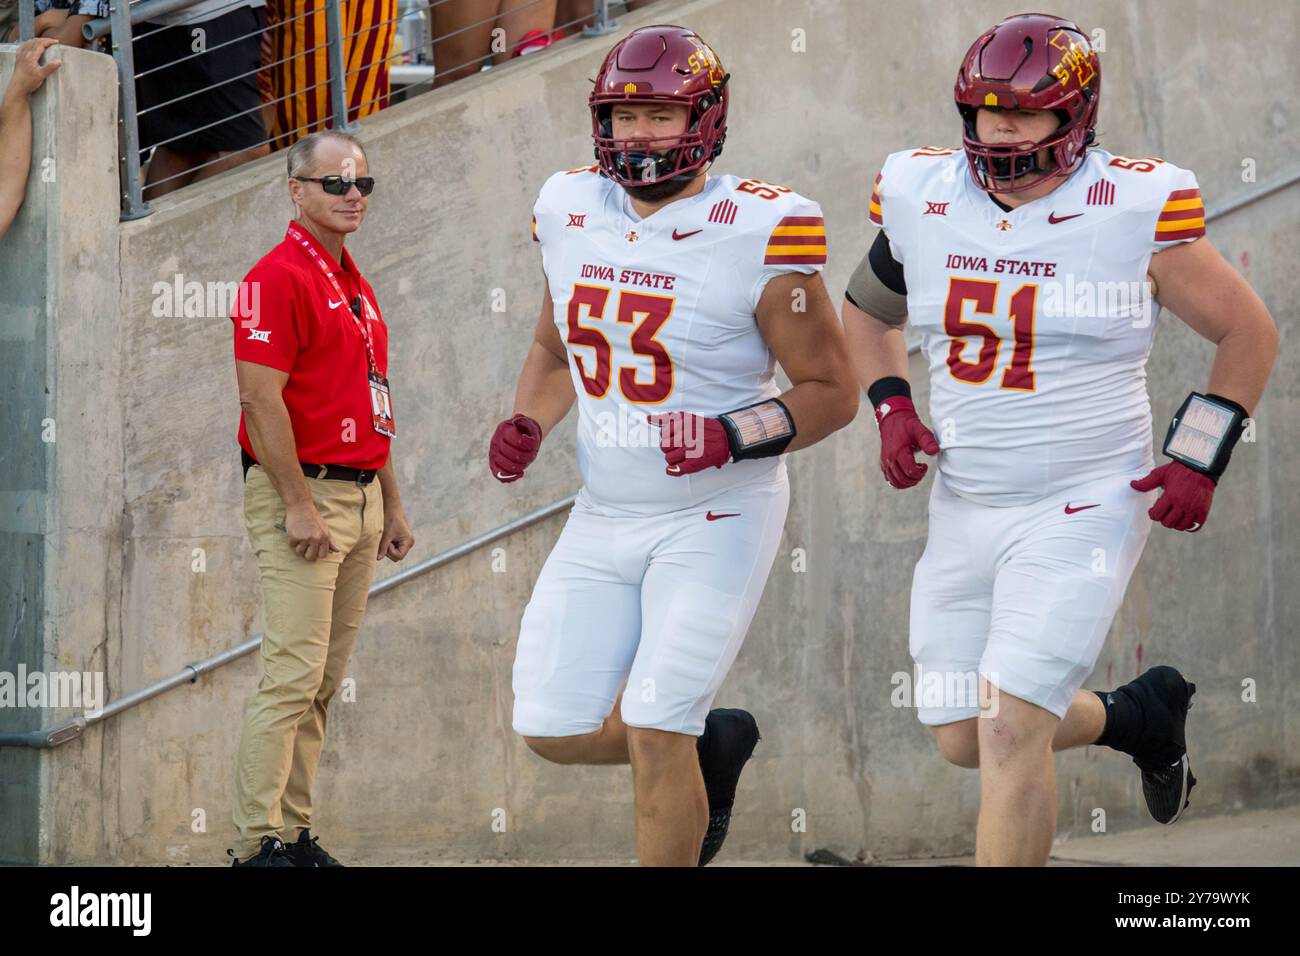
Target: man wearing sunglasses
<point>311,356</point>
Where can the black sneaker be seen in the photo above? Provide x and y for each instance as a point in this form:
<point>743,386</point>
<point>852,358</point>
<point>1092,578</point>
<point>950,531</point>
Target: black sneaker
<point>1161,754</point>
<point>728,740</point>
<point>272,853</point>
<point>308,852</point>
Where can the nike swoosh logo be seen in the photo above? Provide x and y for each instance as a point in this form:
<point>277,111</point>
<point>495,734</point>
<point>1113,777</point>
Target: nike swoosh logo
<point>1070,511</point>
<point>712,517</point>
<point>1054,219</point>
<point>684,235</point>
<point>506,475</point>
<point>334,305</point>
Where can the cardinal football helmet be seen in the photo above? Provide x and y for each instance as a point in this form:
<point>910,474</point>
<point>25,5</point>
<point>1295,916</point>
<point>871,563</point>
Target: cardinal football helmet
<point>660,64</point>
<point>1031,61</point>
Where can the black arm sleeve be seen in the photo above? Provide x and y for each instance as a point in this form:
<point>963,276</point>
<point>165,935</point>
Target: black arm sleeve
<point>887,269</point>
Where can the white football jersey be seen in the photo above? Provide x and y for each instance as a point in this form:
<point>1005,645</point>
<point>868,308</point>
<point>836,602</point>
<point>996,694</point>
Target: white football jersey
<point>658,316</point>
<point>1036,322</point>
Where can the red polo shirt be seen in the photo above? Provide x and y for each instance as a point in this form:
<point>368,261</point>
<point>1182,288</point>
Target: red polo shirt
<point>296,323</point>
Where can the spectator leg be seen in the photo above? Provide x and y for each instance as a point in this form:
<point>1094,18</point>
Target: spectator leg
<point>167,163</point>
<point>573,15</point>
<point>518,17</point>
<point>462,31</point>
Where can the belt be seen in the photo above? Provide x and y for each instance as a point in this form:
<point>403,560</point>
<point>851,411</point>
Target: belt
<point>360,476</point>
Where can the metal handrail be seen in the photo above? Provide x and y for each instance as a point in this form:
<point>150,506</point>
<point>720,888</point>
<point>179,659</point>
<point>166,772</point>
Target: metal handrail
<point>72,729</point>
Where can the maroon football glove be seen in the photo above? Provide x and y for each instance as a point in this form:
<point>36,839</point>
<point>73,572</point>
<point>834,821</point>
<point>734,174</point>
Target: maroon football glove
<point>691,443</point>
<point>514,446</point>
<point>1184,504</point>
<point>902,434</point>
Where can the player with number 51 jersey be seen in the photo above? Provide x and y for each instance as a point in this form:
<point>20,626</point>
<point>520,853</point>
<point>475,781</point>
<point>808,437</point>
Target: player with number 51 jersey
<point>1033,264</point>
<point>1036,320</point>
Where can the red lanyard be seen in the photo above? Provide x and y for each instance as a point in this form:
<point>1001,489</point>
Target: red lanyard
<point>309,248</point>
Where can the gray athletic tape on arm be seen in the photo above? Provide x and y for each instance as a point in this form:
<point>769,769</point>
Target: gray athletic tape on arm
<point>873,297</point>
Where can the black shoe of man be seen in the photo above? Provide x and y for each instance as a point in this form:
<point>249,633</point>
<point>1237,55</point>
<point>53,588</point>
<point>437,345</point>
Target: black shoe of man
<point>728,740</point>
<point>1162,697</point>
<point>272,853</point>
<point>308,852</point>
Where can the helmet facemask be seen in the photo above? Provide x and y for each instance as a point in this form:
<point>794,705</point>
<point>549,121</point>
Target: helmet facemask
<point>658,160</point>
<point>1015,167</point>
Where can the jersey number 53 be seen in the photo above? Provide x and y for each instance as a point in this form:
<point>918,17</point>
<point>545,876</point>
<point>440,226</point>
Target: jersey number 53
<point>646,313</point>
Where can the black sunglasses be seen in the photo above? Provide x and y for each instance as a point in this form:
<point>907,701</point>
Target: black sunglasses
<point>338,186</point>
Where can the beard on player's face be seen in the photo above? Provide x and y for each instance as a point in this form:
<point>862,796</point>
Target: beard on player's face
<point>661,190</point>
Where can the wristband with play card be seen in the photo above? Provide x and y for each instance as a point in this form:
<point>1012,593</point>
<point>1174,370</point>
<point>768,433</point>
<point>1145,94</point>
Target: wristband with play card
<point>1203,432</point>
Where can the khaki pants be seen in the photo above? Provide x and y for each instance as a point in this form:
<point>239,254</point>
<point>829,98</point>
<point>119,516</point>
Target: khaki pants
<point>312,611</point>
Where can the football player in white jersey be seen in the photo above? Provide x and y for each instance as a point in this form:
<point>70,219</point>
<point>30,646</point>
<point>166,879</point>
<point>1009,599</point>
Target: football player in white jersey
<point>670,297</point>
<point>1027,261</point>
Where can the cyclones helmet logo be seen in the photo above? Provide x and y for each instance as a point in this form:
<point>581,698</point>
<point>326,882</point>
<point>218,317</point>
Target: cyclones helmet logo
<point>702,58</point>
<point>1076,60</point>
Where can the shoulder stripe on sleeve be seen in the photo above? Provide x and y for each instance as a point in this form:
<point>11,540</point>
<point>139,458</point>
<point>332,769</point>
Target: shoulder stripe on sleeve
<point>1183,216</point>
<point>797,240</point>
<point>873,212</point>
<point>535,239</point>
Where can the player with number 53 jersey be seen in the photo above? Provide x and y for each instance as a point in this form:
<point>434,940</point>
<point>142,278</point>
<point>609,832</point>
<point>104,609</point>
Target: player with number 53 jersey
<point>659,316</point>
<point>671,297</point>
<point>1033,264</point>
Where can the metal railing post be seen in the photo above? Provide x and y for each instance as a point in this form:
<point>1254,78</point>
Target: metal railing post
<point>26,21</point>
<point>133,204</point>
<point>603,25</point>
<point>337,69</point>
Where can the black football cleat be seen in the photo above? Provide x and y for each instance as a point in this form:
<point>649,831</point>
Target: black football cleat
<point>308,852</point>
<point>1161,754</point>
<point>728,740</point>
<point>1168,790</point>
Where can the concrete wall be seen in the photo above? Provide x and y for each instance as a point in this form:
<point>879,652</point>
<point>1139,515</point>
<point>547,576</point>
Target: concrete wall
<point>60,449</point>
<point>422,762</point>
